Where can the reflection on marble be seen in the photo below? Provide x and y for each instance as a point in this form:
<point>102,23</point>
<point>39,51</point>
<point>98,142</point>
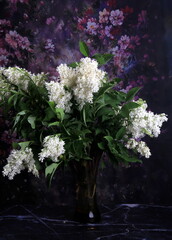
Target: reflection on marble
<point>121,222</point>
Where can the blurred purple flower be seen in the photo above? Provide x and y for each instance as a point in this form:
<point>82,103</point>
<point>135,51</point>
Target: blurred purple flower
<point>116,17</point>
<point>108,32</point>
<point>50,20</point>
<point>104,16</point>
<point>92,26</point>
<point>49,46</point>
<point>124,42</point>
<point>142,18</point>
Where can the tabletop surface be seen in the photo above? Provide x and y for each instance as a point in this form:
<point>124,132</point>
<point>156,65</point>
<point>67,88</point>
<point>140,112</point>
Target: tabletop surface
<point>120,222</point>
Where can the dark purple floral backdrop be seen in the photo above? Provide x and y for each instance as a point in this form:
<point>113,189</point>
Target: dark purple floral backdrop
<point>39,35</point>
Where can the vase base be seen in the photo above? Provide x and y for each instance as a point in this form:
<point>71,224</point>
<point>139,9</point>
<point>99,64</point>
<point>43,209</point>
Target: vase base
<point>90,217</point>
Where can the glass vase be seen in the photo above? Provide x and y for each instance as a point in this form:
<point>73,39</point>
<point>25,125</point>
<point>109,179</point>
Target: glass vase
<point>87,210</point>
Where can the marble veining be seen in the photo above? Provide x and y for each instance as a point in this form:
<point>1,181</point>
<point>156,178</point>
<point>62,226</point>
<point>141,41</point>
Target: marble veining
<point>119,222</point>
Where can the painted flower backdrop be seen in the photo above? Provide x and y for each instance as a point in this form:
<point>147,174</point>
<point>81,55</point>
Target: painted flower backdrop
<point>39,35</point>
<point>33,35</point>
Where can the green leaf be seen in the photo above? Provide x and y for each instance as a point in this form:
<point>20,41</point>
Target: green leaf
<point>117,80</point>
<point>85,131</point>
<point>50,170</point>
<point>60,113</point>
<point>120,133</point>
<point>132,93</point>
<point>106,87</point>
<point>109,139</point>
<point>52,106</point>
<point>102,165</point>
<point>15,100</point>
<point>31,119</point>
<point>98,131</point>
<point>22,112</point>
<point>22,92</point>
<point>121,96</point>
<point>54,124</point>
<point>84,115</point>
<point>83,48</point>
<point>125,110</point>
<point>24,133</point>
<point>38,164</point>
<point>125,154</point>
<point>10,99</point>
<point>13,91</point>
<point>66,130</point>
<point>113,148</point>
<point>24,145</point>
<point>105,112</point>
<point>87,158</point>
<point>78,148</point>
<point>49,114</point>
<point>73,65</point>
<point>103,58</point>
<point>15,145</point>
<point>32,89</point>
<point>132,105</point>
<point>111,99</point>
<point>133,159</point>
<point>42,91</point>
<point>147,132</point>
<point>101,145</point>
<point>17,119</point>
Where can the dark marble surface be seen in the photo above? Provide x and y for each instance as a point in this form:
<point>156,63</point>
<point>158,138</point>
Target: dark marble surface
<point>121,222</point>
<point>147,183</point>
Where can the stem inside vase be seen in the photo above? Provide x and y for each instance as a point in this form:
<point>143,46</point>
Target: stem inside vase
<point>86,202</point>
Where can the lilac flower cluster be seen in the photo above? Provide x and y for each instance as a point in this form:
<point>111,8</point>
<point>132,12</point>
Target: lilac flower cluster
<point>13,46</point>
<point>116,34</point>
<point>104,26</point>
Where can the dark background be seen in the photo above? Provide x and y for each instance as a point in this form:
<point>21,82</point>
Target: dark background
<point>150,182</point>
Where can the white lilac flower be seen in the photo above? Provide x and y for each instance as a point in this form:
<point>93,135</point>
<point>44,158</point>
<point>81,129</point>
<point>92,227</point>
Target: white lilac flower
<point>84,80</point>
<point>131,143</point>
<point>3,90</point>
<point>17,76</point>
<point>1,70</point>
<point>154,123</point>
<point>139,146</point>
<point>143,149</point>
<point>38,79</point>
<point>53,148</point>
<point>21,77</point>
<point>4,86</point>
<point>116,17</point>
<point>89,80</point>
<point>19,160</point>
<point>59,95</point>
<point>142,122</point>
<point>67,75</point>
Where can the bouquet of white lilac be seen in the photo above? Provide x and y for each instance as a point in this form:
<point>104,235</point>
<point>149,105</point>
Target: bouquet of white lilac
<point>74,119</point>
